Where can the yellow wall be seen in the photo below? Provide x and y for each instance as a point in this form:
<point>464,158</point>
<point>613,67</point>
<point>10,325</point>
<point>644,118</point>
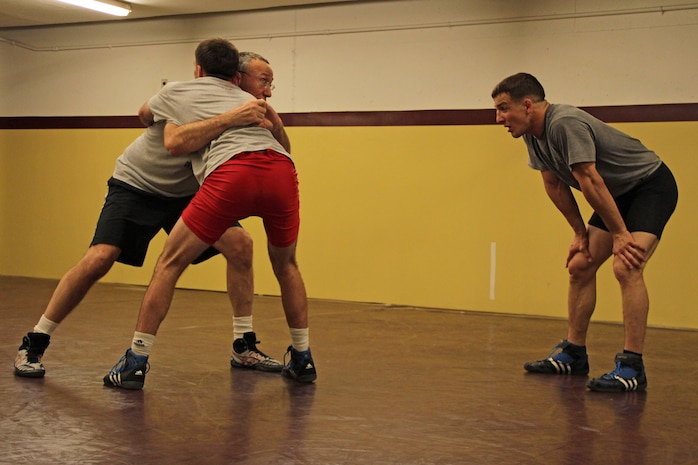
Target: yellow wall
<point>398,215</point>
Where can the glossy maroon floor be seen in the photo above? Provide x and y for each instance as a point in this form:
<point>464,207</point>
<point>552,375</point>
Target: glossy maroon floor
<point>396,386</point>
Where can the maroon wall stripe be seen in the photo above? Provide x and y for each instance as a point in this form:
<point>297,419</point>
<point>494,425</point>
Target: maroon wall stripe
<point>70,122</point>
<point>610,114</point>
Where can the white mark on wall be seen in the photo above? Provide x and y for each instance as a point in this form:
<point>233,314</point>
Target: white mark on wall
<point>493,267</point>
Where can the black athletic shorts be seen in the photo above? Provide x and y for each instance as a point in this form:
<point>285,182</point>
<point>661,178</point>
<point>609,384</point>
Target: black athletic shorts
<point>130,219</point>
<point>648,206</point>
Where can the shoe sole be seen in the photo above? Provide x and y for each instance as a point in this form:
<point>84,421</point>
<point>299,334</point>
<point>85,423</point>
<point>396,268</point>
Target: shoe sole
<point>127,385</point>
<point>29,374</point>
<point>597,387</point>
<point>555,373</point>
<point>256,367</point>
<point>301,379</point>
<point>554,368</point>
<point>130,385</point>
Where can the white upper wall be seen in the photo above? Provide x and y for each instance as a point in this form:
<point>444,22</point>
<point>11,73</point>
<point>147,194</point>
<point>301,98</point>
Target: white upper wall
<point>386,55</point>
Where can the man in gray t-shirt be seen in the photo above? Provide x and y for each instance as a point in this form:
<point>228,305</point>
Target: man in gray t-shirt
<point>633,195</point>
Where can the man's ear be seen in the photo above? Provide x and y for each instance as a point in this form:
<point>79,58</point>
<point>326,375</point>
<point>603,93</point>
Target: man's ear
<point>528,104</point>
<point>198,71</point>
<point>237,78</point>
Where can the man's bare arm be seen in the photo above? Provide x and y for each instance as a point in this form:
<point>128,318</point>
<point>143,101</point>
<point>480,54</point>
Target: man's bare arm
<point>596,193</point>
<point>561,195</point>
<point>190,137</point>
<point>625,247</point>
<point>277,128</point>
<point>145,115</point>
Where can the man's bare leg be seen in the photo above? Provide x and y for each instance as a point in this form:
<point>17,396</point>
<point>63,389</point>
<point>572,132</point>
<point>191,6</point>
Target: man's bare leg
<point>181,248</point>
<point>295,302</point>
<point>237,247</point>
<point>69,292</point>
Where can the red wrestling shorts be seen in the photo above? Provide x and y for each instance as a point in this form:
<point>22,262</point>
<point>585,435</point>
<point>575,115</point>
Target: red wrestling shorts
<point>263,184</point>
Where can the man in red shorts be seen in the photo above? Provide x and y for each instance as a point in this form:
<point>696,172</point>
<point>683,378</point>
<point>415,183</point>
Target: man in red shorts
<point>245,172</point>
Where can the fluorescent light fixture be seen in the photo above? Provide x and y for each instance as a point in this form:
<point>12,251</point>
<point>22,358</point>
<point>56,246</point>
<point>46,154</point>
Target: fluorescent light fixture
<point>111,7</point>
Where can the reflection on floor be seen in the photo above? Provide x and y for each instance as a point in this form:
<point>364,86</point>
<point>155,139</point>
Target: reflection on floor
<point>398,386</point>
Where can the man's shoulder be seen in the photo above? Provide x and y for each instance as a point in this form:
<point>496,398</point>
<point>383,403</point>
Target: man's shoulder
<point>561,116</point>
<point>198,83</point>
<point>562,110</point>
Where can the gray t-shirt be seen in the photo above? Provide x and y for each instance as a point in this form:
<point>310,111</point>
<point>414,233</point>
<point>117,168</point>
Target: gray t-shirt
<point>203,98</point>
<point>574,136</point>
<point>146,165</point>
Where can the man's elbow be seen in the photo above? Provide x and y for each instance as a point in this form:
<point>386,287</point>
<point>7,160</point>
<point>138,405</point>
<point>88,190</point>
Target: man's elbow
<point>145,117</point>
<point>174,147</point>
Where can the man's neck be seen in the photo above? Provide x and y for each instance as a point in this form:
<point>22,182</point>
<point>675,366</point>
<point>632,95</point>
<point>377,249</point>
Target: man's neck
<point>539,112</point>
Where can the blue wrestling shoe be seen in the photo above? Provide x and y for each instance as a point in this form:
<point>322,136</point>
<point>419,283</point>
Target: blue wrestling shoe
<point>301,366</point>
<point>629,375</point>
<point>129,372</point>
<point>565,359</point>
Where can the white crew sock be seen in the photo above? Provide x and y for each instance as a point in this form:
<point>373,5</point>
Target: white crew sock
<point>300,338</point>
<point>45,326</point>
<point>142,343</point>
<point>241,325</point>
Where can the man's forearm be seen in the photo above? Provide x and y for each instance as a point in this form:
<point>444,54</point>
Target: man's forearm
<point>597,194</point>
<point>188,138</point>
<point>191,137</point>
<point>277,128</point>
<point>561,196</point>
<point>281,136</point>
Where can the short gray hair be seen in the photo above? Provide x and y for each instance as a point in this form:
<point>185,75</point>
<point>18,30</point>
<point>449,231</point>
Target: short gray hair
<point>246,58</point>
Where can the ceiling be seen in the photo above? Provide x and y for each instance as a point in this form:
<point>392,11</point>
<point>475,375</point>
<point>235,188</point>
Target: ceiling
<point>29,13</point>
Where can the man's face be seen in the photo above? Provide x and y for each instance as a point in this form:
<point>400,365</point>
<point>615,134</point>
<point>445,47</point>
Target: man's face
<point>258,78</point>
<point>514,116</point>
